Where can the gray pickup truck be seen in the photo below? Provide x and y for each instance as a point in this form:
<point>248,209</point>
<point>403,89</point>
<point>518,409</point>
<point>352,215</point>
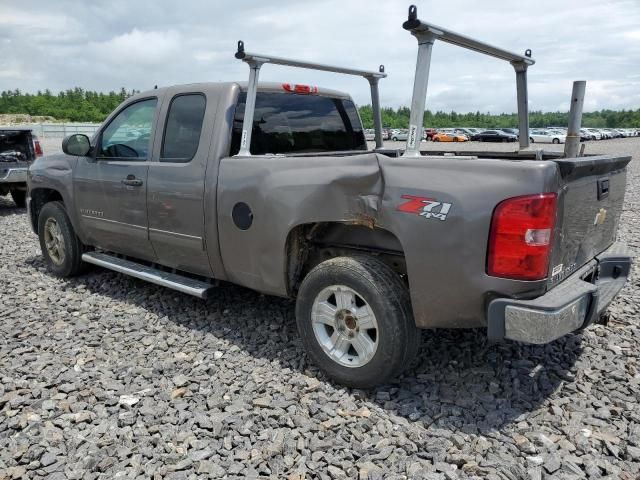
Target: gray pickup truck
<point>19,147</point>
<point>271,186</point>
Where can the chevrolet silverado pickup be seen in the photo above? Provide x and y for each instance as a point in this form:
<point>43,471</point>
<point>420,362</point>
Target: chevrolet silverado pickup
<point>19,147</point>
<point>271,186</point>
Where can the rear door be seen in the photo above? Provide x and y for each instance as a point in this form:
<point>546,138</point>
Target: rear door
<point>176,181</point>
<point>110,187</point>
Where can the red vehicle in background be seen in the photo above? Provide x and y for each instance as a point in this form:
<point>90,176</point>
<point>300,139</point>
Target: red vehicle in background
<point>428,133</point>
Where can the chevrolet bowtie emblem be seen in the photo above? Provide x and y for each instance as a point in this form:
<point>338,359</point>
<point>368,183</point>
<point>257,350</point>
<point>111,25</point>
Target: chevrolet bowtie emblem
<point>601,216</point>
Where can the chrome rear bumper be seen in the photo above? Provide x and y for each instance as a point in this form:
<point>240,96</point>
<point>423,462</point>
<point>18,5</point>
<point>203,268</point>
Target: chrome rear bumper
<point>571,305</point>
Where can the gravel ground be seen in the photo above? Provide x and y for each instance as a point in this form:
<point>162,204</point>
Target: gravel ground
<point>104,376</point>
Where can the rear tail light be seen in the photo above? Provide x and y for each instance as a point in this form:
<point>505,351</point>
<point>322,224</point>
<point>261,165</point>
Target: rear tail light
<point>297,88</point>
<point>521,237</point>
<point>37,147</point>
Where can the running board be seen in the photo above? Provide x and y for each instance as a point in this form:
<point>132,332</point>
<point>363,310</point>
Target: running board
<point>174,281</point>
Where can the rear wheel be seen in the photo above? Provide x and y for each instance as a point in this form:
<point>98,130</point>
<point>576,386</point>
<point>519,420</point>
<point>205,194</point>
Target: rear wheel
<point>354,318</point>
<point>556,140</point>
<point>61,248</point>
<point>531,140</point>
<point>19,197</point>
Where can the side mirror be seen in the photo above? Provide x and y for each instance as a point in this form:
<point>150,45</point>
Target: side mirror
<point>77,145</point>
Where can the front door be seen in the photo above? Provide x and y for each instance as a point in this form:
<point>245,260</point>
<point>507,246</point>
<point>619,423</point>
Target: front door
<point>111,185</point>
<point>176,181</point>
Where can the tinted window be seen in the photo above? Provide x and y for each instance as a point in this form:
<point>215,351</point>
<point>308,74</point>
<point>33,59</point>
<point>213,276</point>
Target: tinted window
<point>291,123</point>
<point>182,131</point>
<point>129,133</point>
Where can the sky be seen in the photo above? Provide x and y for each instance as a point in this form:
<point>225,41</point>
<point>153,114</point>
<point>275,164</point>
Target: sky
<point>106,45</point>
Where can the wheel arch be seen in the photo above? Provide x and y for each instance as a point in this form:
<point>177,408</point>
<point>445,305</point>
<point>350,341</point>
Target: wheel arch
<point>309,244</point>
<point>39,198</point>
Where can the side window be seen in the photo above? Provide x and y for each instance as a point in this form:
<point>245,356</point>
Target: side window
<point>183,128</point>
<point>128,135</point>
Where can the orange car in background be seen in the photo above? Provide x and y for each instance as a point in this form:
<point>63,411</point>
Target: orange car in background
<point>449,137</point>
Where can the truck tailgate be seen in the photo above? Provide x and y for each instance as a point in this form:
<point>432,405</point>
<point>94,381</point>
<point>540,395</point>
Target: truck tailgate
<point>590,204</point>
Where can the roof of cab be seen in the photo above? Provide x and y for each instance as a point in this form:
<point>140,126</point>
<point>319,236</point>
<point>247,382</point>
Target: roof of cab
<point>218,87</point>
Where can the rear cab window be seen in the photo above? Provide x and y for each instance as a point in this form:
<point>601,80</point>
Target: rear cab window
<point>183,128</point>
<point>293,123</point>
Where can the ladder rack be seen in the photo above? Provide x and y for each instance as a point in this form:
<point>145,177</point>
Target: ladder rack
<point>255,62</point>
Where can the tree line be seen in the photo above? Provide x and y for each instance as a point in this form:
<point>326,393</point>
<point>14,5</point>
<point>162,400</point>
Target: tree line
<point>399,118</point>
<point>74,105</point>
<point>79,105</point>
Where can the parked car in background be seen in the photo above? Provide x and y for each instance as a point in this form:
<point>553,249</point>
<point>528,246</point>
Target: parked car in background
<point>512,131</point>
<point>494,136</point>
<point>605,134</point>
<point>547,136</point>
<point>597,134</point>
<point>429,133</point>
<point>386,133</point>
<point>370,134</point>
<point>399,135</point>
<point>468,132</point>
<point>586,135</point>
<point>448,136</point>
<point>19,147</point>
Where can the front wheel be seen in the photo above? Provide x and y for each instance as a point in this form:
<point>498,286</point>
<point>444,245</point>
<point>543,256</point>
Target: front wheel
<point>556,140</point>
<point>61,248</point>
<point>354,318</point>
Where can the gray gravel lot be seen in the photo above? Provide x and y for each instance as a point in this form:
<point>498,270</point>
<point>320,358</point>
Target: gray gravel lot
<point>105,376</point>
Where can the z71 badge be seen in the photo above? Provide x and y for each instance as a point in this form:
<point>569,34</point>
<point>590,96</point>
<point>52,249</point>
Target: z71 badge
<point>425,207</point>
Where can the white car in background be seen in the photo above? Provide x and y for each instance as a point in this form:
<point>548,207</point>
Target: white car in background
<point>547,136</point>
<point>399,135</point>
<point>595,132</point>
<point>369,134</point>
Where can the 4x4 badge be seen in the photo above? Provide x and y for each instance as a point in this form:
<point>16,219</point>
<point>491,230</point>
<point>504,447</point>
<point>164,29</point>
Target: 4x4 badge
<point>425,207</point>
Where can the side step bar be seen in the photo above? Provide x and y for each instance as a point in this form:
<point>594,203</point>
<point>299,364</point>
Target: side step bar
<point>177,282</point>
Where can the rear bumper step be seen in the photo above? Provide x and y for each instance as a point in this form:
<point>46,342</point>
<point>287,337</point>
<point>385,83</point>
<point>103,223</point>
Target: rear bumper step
<point>571,305</point>
<point>174,281</point>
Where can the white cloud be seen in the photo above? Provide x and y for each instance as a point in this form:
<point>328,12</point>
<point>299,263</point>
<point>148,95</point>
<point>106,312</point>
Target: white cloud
<point>108,44</point>
<point>149,48</point>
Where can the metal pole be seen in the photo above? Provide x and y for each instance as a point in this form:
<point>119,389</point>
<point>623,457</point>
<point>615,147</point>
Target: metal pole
<point>375,107</point>
<point>572,143</point>
<point>249,108</point>
<point>523,103</point>
<point>420,83</point>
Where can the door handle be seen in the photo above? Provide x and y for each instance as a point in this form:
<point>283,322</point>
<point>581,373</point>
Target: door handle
<point>132,181</point>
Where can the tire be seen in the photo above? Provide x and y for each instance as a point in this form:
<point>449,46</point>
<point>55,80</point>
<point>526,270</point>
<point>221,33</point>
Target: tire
<point>19,198</point>
<point>54,227</point>
<point>435,139</point>
<point>556,141</point>
<point>395,139</point>
<point>531,140</point>
<point>364,284</point>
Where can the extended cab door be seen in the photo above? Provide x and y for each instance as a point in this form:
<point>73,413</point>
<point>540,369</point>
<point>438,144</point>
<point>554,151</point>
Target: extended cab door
<point>111,185</point>
<point>176,181</point>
